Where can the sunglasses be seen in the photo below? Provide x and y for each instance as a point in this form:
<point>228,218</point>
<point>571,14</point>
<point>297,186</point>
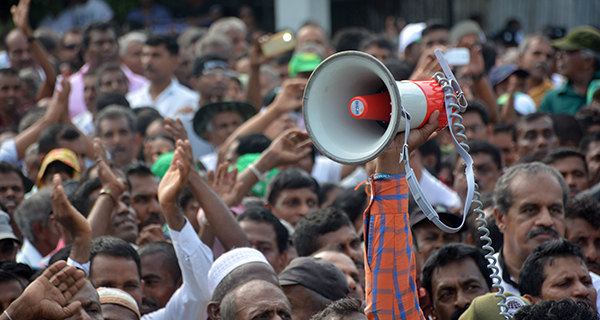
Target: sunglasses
<point>71,46</point>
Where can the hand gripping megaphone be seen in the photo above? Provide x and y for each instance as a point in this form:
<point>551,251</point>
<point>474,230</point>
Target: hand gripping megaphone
<point>353,109</point>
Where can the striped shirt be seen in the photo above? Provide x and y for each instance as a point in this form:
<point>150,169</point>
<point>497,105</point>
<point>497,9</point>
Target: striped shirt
<point>389,261</point>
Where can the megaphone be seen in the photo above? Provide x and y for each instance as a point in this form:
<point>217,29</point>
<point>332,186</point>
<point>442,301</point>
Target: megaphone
<point>352,106</point>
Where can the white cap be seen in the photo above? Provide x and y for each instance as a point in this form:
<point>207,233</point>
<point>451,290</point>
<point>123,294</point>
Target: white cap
<point>410,34</point>
<point>231,260</point>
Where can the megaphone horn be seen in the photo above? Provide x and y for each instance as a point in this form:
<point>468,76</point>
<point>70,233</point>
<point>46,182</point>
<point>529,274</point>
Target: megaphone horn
<point>352,106</point>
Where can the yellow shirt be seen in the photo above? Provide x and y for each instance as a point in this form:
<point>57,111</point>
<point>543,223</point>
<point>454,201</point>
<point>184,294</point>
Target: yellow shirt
<point>538,93</point>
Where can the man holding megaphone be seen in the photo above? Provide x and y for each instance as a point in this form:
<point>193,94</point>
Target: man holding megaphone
<point>390,263</point>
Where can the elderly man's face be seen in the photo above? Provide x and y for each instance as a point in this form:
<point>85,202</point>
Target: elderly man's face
<point>224,123</point>
<point>535,216</point>
<point>133,57</point>
<point>567,277</point>
<point>571,63</point>
<point>259,299</point>
<point>538,58</point>
<point>19,51</point>
<point>118,135</point>
<point>454,286</point>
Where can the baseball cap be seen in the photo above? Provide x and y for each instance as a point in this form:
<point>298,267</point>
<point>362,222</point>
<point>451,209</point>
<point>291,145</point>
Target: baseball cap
<point>303,62</point>
<point>410,34</point>
<point>449,218</point>
<point>63,155</point>
<point>502,72</point>
<point>584,37</point>
<point>318,275</point>
<point>486,307</point>
<point>6,231</point>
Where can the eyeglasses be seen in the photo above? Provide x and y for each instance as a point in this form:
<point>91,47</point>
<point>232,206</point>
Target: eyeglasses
<point>225,73</point>
<point>71,46</point>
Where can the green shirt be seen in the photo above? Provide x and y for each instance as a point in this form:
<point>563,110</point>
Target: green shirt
<point>563,100</point>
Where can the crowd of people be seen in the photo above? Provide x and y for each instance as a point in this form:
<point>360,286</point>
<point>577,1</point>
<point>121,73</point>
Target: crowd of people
<point>170,176</point>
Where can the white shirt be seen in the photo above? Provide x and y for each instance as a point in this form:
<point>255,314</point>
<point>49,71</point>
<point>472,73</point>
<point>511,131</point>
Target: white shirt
<point>438,193</point>
<point>85,123</point>
<point>29,255</point>
<point>169,102</point>
<point>210,161</point>
<point>189,302</point>
<point>326,170</point>
<point>510,288</point>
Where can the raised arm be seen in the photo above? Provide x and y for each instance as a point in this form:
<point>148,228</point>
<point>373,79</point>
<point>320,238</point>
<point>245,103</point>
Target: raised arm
<point>57,107</point>
<point>20,15</point>
<point>389,261</point>
<point>48,296</point>
<point>73,221</point>
<point>112,188</point>
<point>289,99</point>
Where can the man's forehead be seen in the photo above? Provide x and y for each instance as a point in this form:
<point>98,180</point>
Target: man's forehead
<point>541,123</point>
<point>115,124</point>
<point>10,79</point>
<point>102,34</point>
<point>455,270</point>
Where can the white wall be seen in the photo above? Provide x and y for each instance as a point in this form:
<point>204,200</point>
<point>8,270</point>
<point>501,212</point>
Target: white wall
<point>294,13</point>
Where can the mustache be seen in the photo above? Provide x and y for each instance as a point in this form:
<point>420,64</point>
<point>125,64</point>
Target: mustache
<point>456,314</point>
<point>543,65</point>
<point>542,230</point>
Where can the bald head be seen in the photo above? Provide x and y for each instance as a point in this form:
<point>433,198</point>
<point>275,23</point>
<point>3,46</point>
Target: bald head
<point>18,50</point>
<point>253,299</point>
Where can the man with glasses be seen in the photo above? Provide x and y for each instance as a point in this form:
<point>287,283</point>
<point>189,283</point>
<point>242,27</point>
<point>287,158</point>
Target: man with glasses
<point>160,58</point>
<point>210,76</point>
<point>69,52</point>
<point>579,62</point>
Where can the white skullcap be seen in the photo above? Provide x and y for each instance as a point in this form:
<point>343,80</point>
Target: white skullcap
<point>411,33</point>
<point>231,260</point>
<point>118,297</point>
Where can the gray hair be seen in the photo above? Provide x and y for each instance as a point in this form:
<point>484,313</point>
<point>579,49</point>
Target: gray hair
<point>191,36</point>
<point>115,112</point>
<point>503,198</point>
<point>524,44</point>
<point>36,208</point>
<point>213,41</point>
<point>223,25</point>
<point>125,40</point>
<point>587,53</point>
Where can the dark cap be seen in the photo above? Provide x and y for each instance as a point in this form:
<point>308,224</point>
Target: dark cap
<point>209,110</point>
<point>584,37</point>
<point>318,275</point>
<point>446,217</point>
<point>502,72</point>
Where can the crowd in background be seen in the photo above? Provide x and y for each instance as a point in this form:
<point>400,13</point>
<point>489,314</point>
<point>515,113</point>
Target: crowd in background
<point>173,174</point>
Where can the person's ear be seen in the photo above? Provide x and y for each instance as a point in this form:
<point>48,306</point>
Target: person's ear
<point>499,219</point>
<point>268,206</point>
<point>533,300</point>
<point>214,310</point>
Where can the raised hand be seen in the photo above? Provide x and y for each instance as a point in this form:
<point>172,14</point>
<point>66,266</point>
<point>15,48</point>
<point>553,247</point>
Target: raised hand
<point>225,184</point>
<point>176,129</point>
<point>48,296</point>
<point>150,233</point>
<point>107,177</point>
<point>65,213</point>
<point>20,15</point>
<point>289,147</point>
<point>290,97</point>
<point>176,177</point>
<point>257,58</point>
<point>58,108</point>
<point>476,64</point>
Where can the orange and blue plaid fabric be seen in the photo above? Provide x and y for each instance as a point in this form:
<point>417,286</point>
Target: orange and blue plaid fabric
<point>389,261</point>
